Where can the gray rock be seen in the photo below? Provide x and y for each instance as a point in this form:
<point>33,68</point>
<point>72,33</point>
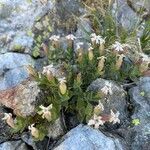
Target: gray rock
<point>115,101</point>
<point>138,4</point>
<point>141,100</point>
<point>83,28</point>
<point>16,20</point>
<point>22,99</point>
<point>56,130</point>
<point>13,69</point>
<point>21,43</point>
<point>86,138</point>
<point>13,145</point>
<point>5,133</point>
<point>36,145</point>
<point>124,15</point>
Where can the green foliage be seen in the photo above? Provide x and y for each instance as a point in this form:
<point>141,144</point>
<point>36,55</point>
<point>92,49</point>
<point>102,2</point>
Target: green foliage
<point>136,122</point>
<point>79,75</point>
<point>36,52</point>
<point>145,39</point>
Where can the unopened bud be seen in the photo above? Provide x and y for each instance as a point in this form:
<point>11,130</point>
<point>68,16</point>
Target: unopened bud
<point>31,71</point>
<point>34,131</point>
<point>101,49</point>
<point>79,77</point>
<point>101,63</point>
<point>9,120</point>
<point>144,66</point>
<point>49,75</point>
<point>62,86</point>
<point>119,61</point>
<point>45,48</point>
<point>90,55</point>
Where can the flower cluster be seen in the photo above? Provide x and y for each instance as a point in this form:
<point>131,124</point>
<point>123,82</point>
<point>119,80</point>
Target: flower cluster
<point>107,89</point>
<point>97,39</point>
<point>49,71</point>
<point>54,38</point>
<point>46,112</point>
<point>118,47</point>
<point>98,120</point>
<point>9,120</point>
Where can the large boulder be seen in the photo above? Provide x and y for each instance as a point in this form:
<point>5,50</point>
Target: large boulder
<point>124,15</point>
<point>115,101</point>
<point>13,145</point>
<point>17,20</point>
<point>22,99</point>
<point>13,69</point>
<point>140,97</point>
<point>86,138</point>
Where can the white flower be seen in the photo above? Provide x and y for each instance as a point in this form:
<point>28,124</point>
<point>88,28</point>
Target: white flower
<point>100,105</point>
<point>62,85</point>
<point>90,47</point>
<point>9,120</point>
<point>114,117</point>
<point>145,58</point>
<point>62,80</point>
<point>98,108</point>
<point>107,89</point>
<point>96,121</point>
<point>70,37</point>
<point>54,37</point>
<point>118,46</point>
<point>7,116</point>
<point>34,131</point>
<point>79,45</point>
<point>97,39</point>
<point>48,68</point>
<point>45,112</point>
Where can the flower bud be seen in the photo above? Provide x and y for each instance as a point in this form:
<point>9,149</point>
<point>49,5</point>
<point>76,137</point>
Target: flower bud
<point>101,63</point>
<point>34,131</point>
<point>144,66</point>
<point>31,71</point>
<point>90,55</point>
<point>45,48</point>
<point>80,57</point>
<point>79,77</point>
<point>49,75</point>
<point>119,61</point>
<point>101,49</point>
<point>62,86</point>
<point>9,119</point>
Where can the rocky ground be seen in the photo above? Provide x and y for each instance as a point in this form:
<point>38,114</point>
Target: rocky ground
<point>21,23</point>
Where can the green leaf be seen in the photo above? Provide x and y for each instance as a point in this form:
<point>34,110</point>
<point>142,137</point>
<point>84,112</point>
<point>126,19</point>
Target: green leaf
<point>136,122</point>
<point>88,111</point>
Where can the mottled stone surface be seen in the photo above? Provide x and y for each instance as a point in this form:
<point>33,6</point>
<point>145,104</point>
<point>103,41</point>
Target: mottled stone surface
<point>141,100</point>
<point>16,21</point>
<point>13,145</point>
<point>22,98</point>
<point>86,138</point>
<point>13,69</point>
<point>56,130</point>
<point>124,14</point>
<point>115,101</point>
